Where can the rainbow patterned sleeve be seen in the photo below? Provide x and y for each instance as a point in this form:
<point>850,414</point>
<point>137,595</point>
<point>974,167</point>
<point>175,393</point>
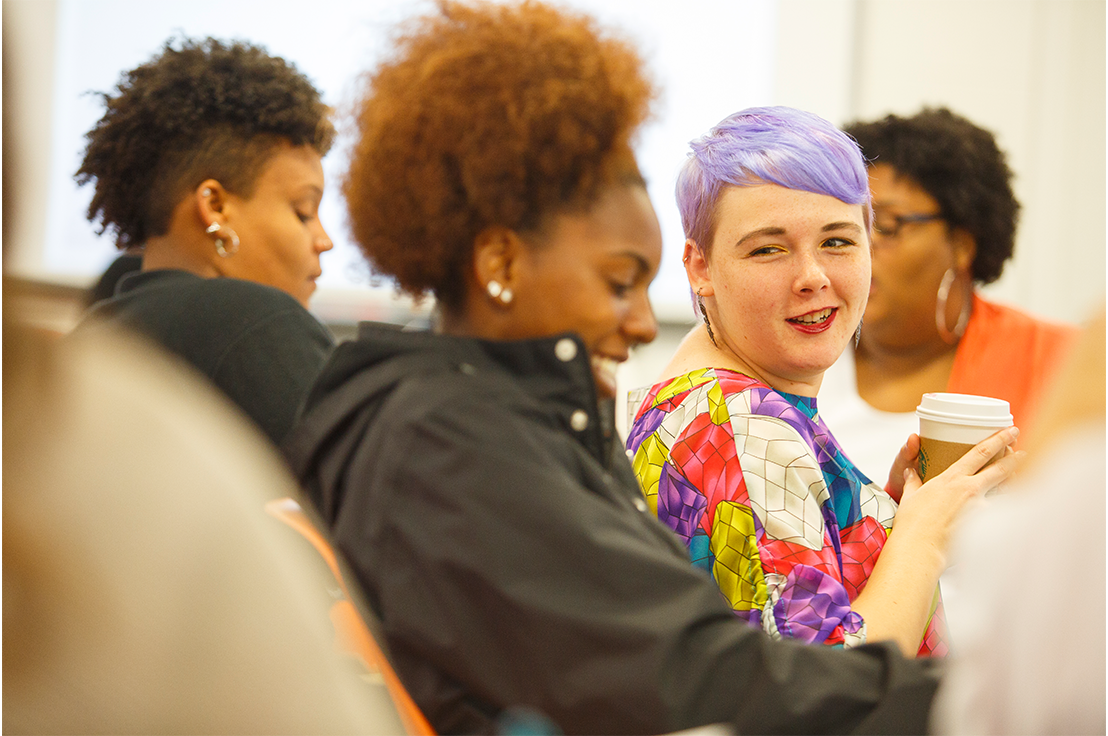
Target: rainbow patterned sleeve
<point>744,491</point>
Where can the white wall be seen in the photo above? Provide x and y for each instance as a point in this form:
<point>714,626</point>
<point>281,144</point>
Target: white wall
<point>1032,71</point>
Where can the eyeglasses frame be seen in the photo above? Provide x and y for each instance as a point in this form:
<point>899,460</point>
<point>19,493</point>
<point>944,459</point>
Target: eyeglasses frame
<point>902,220</point>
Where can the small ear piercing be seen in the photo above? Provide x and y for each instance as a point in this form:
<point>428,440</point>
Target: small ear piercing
<point>498,292</point>
<point>206,192</point>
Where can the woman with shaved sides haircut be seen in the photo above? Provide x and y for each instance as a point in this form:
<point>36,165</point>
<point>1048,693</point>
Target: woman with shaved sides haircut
<point>208,160</point>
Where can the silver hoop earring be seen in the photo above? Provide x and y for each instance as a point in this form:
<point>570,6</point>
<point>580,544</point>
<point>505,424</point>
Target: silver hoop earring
<point>948,336</point>
<point>704,313</point>
<point>220,248</point>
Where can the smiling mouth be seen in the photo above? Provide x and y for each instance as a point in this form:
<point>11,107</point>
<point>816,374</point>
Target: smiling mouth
<point>813,318</point>
<point>604,371</point>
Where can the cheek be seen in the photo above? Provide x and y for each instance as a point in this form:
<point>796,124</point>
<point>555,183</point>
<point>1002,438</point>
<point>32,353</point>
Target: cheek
<point>853,277</point>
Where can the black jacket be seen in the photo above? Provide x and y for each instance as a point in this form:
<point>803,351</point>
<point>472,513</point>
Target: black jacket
<point>257,344</point>
<point>500,537</point>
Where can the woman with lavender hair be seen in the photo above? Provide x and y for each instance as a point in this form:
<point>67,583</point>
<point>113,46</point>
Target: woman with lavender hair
<point>729,447</point>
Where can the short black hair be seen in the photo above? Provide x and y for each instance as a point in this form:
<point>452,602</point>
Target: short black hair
<point>960,165</point>
<point>200,109</point>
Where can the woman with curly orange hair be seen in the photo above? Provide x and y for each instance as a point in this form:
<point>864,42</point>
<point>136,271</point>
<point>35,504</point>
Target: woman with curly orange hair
<point>208,161</point>
<point>471,475</point>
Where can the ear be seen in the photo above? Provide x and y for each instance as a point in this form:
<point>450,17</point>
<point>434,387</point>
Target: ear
<point>496,257</point>
<point>965,250</point>
<point>211,199</point>
<point>696,269</point>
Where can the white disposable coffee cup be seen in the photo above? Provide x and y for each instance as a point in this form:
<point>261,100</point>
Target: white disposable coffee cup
<point>951,424</point>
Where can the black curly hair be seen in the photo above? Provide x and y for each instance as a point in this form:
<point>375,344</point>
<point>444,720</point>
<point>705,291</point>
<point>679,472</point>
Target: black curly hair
<point>961,167</point>
<point>200,109</point>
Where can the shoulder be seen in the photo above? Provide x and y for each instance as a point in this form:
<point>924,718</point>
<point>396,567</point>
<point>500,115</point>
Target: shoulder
<point>153,296</point>
<point>709,397</point>
<point>1016,324</point>
<point>248,295</point>
<point>248,309</point>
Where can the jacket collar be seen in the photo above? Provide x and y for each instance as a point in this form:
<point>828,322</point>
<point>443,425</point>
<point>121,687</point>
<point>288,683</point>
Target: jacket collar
<point>554,371</point>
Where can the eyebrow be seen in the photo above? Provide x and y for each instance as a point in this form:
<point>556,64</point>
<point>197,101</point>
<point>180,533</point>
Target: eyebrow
<point>773,230</point>
<point>310,190</point>
<point>640,262</point>
<point>844,225</point>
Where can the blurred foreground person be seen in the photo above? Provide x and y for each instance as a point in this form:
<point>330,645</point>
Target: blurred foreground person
<point>146,590</point>
<point>471,475</point>
<point>208,158</point>
<point>1011,674</point>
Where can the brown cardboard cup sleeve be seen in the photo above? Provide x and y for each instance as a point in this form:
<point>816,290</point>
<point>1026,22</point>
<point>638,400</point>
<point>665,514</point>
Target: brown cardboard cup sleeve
<point>951,424</point>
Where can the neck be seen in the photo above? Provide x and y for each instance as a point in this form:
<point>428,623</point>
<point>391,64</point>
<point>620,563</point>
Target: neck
<point>168,252</point>
<point>892,378</point>
<point>697,351</point>
<point>900,360</point>
<point>464,323</point>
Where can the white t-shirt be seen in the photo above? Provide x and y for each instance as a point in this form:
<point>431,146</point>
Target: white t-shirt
<point>870,438</point>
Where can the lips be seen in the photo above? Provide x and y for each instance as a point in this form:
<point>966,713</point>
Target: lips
<point>815,321</point>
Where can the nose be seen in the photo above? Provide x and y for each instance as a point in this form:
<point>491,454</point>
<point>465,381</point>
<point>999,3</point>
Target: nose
<point>640,326</point>
<point>811,276</point>
<point>322,240</point>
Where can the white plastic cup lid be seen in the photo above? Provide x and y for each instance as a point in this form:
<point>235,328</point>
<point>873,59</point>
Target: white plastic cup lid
<point>967,409</point>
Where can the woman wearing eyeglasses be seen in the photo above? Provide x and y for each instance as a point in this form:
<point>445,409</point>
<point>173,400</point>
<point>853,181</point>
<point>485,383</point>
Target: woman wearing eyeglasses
<point>945,221</point>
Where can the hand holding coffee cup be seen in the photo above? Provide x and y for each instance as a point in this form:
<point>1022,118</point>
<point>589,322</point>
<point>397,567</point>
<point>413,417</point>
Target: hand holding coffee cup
<point>950,425</point>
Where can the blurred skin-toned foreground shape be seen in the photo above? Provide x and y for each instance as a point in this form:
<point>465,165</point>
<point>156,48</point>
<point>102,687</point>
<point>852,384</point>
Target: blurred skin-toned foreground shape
<point>1003,680</point>
<point>145,588</point>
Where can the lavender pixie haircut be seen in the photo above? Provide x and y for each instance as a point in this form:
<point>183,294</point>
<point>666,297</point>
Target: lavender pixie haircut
<point>768,145</point>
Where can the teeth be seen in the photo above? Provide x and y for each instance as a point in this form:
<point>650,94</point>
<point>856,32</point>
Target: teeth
<point>606,366</point>
<point>814,317</point>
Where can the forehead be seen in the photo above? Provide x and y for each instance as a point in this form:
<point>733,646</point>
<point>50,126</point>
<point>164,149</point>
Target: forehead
<point>621,224</point>
<point>891,188</point>
<point>746,209</point>
<point>290,168</point>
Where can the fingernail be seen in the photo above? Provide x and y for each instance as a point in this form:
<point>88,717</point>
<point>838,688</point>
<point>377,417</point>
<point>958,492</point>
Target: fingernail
<point>1014,432</point>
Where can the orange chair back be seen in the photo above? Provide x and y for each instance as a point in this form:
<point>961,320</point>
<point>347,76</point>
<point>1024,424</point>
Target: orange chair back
<point>352,636</point>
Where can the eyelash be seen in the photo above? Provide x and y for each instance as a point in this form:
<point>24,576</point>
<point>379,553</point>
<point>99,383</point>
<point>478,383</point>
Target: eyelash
<point>765,250</point>
<point>620,290</point>
<point>834,243</point>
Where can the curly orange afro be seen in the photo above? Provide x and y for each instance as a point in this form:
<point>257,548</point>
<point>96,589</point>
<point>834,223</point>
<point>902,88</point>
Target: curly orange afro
<point>486,114</point>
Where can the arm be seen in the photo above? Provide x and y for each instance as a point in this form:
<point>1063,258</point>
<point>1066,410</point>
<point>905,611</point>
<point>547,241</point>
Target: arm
<point>897,598</point>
